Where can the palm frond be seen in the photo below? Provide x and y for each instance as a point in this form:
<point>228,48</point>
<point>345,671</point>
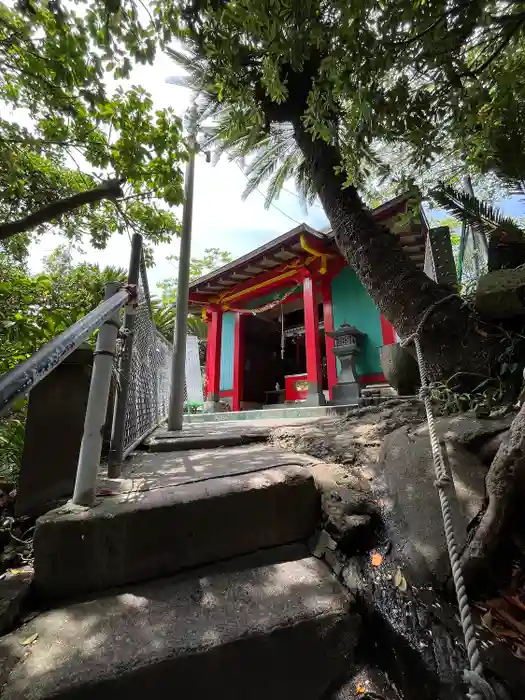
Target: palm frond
<point>278,179</point>
<point>273,155</point>
<point>304,184</point>
<point>483,217</point>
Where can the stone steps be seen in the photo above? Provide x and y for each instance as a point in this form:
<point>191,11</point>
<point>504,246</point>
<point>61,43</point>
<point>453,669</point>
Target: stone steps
<point>280,631</point>
<point>157,530</point>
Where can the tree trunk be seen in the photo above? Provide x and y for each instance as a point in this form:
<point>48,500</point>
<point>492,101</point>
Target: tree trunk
<point>450,338</point>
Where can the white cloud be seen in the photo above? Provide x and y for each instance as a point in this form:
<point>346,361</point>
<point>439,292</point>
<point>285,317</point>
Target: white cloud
<point>220,218</point>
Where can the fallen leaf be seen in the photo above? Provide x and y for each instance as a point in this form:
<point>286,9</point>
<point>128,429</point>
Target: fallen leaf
<point>400,581</point>
<point>16,572</point>
<point>487,621</point>
<point>30,640</point>
<point>376,559</point>
<point>360,689</point>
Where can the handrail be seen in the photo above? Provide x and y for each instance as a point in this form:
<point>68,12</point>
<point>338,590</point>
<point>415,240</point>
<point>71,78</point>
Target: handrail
<point>21,379</point>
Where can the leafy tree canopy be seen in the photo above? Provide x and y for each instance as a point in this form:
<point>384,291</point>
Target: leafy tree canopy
<point>36,308</point>
<point>436,77</point>
<point>63,131</point>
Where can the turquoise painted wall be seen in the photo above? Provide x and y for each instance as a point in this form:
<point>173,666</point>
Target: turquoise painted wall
<point>352,304</point>
<point>228,321</point>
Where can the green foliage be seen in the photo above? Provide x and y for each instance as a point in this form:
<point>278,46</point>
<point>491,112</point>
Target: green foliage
<point>164,309</point>
<point>36,308</point>
<point>433,80</point>
<point>213,258</point>
<point>164,315</point>
<point>12,431</point>
<point>482,216</point>
<point>33,310</point>
<point>62,130</point>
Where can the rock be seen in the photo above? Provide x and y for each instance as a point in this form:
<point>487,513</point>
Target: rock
<point>352,518</point>
<point>466,429</point>
<point>14,588</point>
<point>405,479</point>
<point>487,450</point>
<point>320,543</point>
<point>348,501</point>
<point>335,561</point>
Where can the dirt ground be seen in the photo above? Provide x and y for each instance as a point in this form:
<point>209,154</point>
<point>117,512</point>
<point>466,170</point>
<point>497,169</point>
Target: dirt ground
<point>353,441</point>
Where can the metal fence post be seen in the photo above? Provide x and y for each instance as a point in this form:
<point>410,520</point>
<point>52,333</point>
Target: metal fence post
<point>91,446</point>
<point>116,451</point>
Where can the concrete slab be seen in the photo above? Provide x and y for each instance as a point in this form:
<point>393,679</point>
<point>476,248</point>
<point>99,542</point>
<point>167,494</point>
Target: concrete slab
<point>151,470</point>
<point>156,530</point>
<point>282,631</point>
<point>208,434</point>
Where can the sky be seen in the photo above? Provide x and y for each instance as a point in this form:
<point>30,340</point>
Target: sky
<point>221,219</point>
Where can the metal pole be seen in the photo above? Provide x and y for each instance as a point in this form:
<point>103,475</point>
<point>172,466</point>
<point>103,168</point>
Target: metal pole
<point>117,433</point>
<point>91,446</point>
<point>178,375</point>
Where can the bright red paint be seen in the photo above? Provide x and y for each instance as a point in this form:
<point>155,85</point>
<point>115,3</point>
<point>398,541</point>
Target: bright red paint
<point>238,362</point>
<point>372,379</point>
<point>311,331</point>
<point>388,332</point>
<point>213,353</point>
<point>292,393</point>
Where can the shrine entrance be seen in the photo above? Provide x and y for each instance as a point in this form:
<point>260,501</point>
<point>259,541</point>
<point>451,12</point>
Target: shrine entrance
<point>276,358</point>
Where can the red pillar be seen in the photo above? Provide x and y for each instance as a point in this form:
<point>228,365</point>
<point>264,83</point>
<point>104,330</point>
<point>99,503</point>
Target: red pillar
<point>313,350</point>
<point>328,316</point>
<point>388,332</point>
<point>238,362</point>
<point>213,356</point>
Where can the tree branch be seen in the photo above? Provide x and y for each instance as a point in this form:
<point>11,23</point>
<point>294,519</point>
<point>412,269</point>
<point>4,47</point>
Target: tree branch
<point>111,189</point>
<point>500,48</point>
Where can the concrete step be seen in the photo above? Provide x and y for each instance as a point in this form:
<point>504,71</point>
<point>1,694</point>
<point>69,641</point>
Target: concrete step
<point>154,530</point>
<point>282,413</point>
<point>281,631</point>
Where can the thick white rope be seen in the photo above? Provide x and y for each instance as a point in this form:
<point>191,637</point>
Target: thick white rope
<point>479,688</point>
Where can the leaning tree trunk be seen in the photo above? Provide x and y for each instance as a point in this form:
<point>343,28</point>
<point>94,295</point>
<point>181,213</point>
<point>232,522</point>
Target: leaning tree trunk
<point>451,339</point>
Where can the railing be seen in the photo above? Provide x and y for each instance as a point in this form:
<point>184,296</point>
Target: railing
<point>21,379</point>
<point>143,371</point>
<point>137,355</point>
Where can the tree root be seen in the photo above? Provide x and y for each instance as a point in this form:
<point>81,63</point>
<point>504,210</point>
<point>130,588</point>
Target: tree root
<point>488,558</point>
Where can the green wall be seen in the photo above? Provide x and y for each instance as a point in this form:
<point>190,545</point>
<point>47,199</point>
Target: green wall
<point>352,304</point>
<point>228,322</point>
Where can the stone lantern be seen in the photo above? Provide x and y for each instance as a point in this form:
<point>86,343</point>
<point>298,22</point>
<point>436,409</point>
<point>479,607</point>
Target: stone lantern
<point>347,346</point>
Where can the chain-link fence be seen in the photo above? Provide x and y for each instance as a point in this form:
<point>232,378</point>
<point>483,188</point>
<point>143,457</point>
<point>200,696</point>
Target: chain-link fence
<point>150,373</point>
